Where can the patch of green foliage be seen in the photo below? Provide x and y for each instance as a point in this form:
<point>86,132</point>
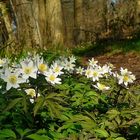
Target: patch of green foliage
<point>107,47</point>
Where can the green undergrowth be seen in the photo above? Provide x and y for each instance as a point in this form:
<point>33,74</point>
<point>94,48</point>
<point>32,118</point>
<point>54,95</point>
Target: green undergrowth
<point>107,47</point>
<point>72,110</point>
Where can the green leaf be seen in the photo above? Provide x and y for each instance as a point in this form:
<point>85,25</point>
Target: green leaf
<point>63,87</point>
<point>79,87</point>
<point>69,125</point>
<point>24,103</point>
<point>7,133</point>
<point>113,113</point>
<point>64,117</point>
<point>54,108</point>
<point>79,117</point>
<point>101,133</point>
<point>38,105</point>
<point>12,104</point>
<point>92,93</point>
<point>23,132</point>
<point>120,138</point>
<point>51,95</point>
<point>58,135</point>
<point>38,137</point>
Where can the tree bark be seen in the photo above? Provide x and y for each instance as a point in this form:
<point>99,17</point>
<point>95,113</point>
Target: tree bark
<point>79,34</point>
<point>55,21</point>
<point>6,21</point>
<point>138,12</point>
<point>27,23</point>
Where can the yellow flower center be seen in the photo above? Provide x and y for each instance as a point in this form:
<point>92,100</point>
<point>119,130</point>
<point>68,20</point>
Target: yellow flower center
<point>52,77</point>
<point>13,79</point>
<point>125,78</point>
<point>101,86</point>
<point>57,69</point>
<point>42,67</point>
<point>28,70</point>
<point>95,74</point>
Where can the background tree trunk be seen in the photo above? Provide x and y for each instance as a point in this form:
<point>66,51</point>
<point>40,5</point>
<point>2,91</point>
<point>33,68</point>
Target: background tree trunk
<point>27,24</point>
<point>79,24</point>
<point>6,22</point>
<point>55,21</point>
<point>39,10</point>
<point>138,12</point>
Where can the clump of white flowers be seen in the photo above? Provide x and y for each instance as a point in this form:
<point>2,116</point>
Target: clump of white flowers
<point>32,67</point>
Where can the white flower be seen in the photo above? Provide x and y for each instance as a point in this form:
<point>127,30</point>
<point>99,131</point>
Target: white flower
<point>57,68</point>
<point>31,92</point>
<point>96,74</point>
<point>125,71</point>
<point>93,63</point>
<point>114,74</point>
<point>126,77</point>
<point>28,70</point>
<point>52,77</point>
<point>12,79</point>
<point>41,65</point>
<point>80,70</point>
<point>111,65</point>
<point>68,65</point>
<point>101,87</point>
<point>105,70</point>
<point>72,59</point>
<point>88,72</point>
<point>2,62</point>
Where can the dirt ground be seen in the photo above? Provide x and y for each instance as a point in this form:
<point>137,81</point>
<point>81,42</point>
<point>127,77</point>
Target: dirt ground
<point>131,61</point>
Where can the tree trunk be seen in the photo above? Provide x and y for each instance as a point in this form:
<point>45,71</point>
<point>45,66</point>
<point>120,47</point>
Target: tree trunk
<point>6,22</point>
<point>138,12</point>
<point>27,23</point>
<point>79,33</point>
<point>39,10</point>
<point>55,21</point>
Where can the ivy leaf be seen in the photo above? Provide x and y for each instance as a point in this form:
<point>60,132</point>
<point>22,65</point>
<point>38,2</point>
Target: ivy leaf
<point>7,133</point>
